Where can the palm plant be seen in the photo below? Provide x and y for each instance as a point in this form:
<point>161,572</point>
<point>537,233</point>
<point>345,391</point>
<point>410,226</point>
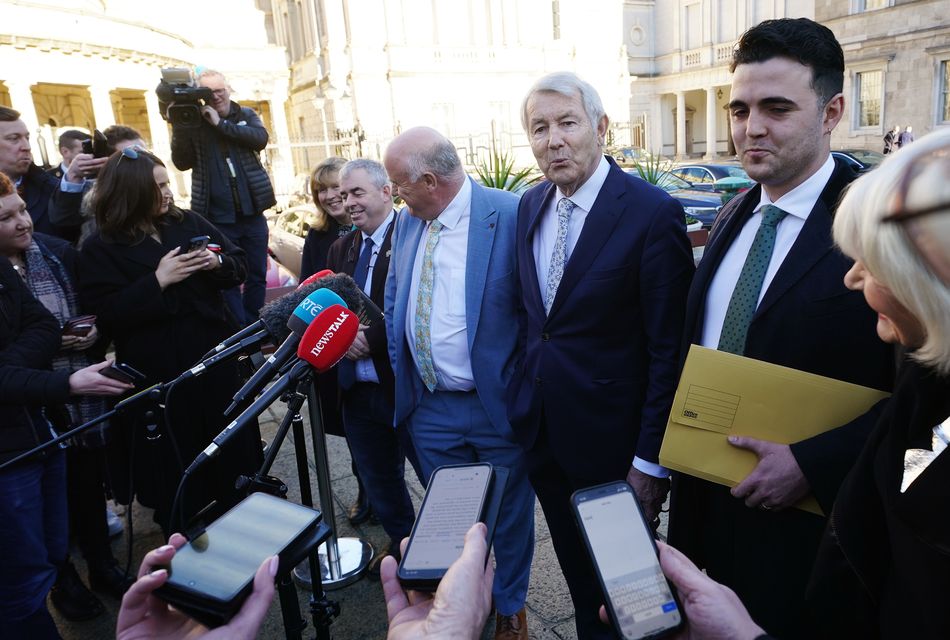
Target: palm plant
<point>499,172</point>
<point>652,168</point>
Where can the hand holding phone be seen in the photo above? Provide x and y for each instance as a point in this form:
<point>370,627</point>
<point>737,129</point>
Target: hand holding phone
<point>455,500</point>
<point>641,603</point>
<point>80,326</point>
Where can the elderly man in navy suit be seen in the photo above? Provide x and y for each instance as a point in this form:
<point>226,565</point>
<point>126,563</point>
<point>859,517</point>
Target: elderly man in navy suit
<point>603,267</point>
<point>450,309</point>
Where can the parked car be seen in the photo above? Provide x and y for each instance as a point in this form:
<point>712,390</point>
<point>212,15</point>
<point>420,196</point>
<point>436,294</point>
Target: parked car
<point>702,177</point>
<point>288,229</point>
<point>701,205</point>
<point>860,160</point>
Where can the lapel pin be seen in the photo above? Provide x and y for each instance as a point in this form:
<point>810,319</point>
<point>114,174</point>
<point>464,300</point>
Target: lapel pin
<point>491,225</point>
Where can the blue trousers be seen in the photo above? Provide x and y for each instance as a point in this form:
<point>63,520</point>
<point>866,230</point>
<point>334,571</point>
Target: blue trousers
<point>379,452</point>
<point>452,428</point>
<point>34,537</point>
<point>250,234</point>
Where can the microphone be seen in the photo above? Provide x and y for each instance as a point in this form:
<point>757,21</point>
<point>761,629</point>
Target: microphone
<point>323,344</point>
<point>274,314</point>
<point>305,313</point>
<point>311,279</point>
<point>220,356</point>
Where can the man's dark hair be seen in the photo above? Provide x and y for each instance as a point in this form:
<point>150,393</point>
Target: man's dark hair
<point>799,39</point>
<point>119,133</point>
<point>8,115</point>
<point>72,134</point>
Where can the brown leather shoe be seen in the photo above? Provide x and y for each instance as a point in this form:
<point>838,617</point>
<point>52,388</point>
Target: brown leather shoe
<point>513,627</point>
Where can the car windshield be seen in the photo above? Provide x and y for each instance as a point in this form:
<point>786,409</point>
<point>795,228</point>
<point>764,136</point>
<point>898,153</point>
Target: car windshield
<point>868,157</point>
<point>669,183</point>
<point>736,172</point>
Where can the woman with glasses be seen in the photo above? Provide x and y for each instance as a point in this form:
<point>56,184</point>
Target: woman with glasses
<point>164,308</point>
<point>884,566</point>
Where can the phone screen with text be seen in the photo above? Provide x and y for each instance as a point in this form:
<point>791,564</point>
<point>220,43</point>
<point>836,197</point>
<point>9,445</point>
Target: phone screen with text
<point>626,560</point>
<point>453,503</point>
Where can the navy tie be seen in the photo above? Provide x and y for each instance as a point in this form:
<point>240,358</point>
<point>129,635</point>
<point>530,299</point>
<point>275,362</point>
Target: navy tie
<point>346,370</point>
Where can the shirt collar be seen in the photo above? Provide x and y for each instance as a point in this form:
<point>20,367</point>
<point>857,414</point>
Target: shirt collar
<point>587,194</point>
<point>380,234</point>
<point>460,204</point>
<point>801,200</point>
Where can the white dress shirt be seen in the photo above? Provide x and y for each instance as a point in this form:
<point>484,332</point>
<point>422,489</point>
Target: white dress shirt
<point>545,235</point>
<point>365,369</point>
<point>447,329</point>
<point>798,203</point>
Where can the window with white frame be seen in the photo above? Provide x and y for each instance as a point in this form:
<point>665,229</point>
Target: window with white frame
<point>869,92</point>
<point>857,6</point>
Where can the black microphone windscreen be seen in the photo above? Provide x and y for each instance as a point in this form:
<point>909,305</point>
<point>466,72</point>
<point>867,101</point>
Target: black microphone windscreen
<point>275,314</point>
<point>341,284</point>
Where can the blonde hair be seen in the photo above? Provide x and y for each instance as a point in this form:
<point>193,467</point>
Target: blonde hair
<point>923,171</point>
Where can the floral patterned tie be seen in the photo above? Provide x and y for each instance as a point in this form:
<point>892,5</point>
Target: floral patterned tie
<point>424,308</point>
<point>559,256</point>
<point>745,297</point>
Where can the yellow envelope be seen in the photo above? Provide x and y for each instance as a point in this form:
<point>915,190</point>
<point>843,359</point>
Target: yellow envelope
<point>722,394</point>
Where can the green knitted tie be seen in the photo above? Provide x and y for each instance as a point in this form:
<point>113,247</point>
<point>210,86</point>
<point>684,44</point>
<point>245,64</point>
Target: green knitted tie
<point>745,297</point>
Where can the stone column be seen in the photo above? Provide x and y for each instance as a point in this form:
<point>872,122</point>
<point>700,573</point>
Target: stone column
<point>710,123</point>
<point>282,162</point>
<point>21,99</point>
<point>157,128</point>
<point>102,106</point>
<point>681,124</point>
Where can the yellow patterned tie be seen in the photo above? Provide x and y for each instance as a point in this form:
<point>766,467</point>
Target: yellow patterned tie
<point>424,308</point>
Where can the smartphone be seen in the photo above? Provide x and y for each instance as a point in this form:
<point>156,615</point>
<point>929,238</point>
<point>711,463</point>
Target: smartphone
<point>211,575</point>
<point>198,243</point>
<point>455,500</point>
<point>641,603</point>
<point>79,326</point>
<point>123,373</point>
<point>98,145</point>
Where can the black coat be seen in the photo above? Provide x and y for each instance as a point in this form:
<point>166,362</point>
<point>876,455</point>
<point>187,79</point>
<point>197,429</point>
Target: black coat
<point>29,338</point>
<point>239,135</point>
<point>316,246</point>
<point>807,320</point>
<point>162,334</point>
<point>884,565</point>
<point>38,187</point>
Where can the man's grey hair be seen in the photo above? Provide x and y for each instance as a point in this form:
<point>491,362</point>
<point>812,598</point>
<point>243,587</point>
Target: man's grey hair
<point>440,159</point>
<point>375,170</point>
<point>569,85</point>
<point>205,73</point>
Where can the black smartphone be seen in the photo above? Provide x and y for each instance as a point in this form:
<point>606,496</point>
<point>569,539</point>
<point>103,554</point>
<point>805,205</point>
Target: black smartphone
<point>198,243</point>
<point>97,145</point>
<point>123,373</point>
<point>79,326</point>
<point>211,575</point>
<point>455,500</point>
<point>641,603</point>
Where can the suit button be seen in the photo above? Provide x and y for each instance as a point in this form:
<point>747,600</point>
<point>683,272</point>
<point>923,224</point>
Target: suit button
<point>545,337</point>
<point>537,381</point>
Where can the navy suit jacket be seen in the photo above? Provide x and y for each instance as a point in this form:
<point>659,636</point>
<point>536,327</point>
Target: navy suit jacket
<point>600,370</point>
<point>489,302</point>
<point>807,320</point>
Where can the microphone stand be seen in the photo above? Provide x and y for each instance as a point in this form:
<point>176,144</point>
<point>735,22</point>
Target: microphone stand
<point>322,610</point>
<point>154,393</point>
<point>346,559</point>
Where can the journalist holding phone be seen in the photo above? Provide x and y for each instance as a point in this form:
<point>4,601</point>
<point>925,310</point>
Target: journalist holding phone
<point>164,309</point>
<point>33,492</point>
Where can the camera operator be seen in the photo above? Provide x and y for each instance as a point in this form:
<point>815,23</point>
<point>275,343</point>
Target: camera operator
<point>229,186</point>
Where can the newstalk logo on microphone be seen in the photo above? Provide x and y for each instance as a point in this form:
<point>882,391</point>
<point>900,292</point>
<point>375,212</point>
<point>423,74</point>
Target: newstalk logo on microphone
<point>330,332</point>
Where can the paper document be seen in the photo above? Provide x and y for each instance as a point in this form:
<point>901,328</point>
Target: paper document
<point>722,394</point>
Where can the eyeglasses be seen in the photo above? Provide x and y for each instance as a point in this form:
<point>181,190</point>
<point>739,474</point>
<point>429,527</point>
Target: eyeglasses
<point>932,247</point>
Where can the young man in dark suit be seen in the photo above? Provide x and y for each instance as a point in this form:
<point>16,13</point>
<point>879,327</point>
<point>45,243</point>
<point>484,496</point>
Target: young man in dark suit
<point>365,377</point>
<point>603,267</point>
<point>770,287</point>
